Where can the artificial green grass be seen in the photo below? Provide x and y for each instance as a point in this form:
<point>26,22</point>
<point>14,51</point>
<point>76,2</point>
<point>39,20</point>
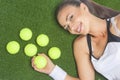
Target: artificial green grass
<point>38,15</point>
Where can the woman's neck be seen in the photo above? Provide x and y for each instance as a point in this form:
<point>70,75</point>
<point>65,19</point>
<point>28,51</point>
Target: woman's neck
<point>98,27</point>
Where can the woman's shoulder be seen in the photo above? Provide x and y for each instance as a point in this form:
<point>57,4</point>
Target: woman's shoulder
<point>79,39</point>
<point>80,46</point>
<point>81,42</point>
<point>117,19</point>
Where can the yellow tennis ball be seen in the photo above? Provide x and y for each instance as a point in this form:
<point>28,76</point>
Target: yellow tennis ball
<point>54,53</point>
<point>13,47</point>
<point>30,50</point>
<point>25,34</point>
<point>40,62</point>
<point>42,40</point>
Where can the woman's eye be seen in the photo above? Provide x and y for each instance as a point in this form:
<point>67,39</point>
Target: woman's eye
<point>71,17</point>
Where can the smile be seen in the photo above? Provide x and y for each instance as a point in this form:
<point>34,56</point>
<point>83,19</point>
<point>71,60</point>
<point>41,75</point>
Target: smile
<point>79,28</point>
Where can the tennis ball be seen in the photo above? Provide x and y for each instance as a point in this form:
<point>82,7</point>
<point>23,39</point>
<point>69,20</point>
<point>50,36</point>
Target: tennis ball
<point>25,34</point>
<point>13,47</point>
<point>42,40</point>
<point>54,53</point>
<point>30,50</point>
<point>40,62</point>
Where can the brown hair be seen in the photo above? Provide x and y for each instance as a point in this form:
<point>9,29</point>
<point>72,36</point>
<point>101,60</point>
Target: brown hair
<point>96,9</point>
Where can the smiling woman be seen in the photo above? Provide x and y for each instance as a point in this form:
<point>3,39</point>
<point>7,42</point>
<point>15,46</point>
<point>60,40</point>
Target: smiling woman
<point>97,43</point>
<point>70,18</point>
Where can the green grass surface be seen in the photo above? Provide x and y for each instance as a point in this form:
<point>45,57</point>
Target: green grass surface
<point>38,15</point>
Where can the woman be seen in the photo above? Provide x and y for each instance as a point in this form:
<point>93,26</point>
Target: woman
<point>98,28</point>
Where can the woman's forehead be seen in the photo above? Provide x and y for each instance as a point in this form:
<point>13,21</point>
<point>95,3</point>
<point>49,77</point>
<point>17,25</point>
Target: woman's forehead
<point>66,10</point>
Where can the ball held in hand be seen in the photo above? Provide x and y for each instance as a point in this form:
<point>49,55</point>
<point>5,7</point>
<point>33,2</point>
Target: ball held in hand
<point>40,62</point>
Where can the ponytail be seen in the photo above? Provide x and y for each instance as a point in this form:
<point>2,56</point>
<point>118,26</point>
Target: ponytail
<point>99,10</point>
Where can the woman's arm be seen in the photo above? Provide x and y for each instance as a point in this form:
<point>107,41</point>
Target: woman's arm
<point>49,68</point>
<point>81,52</point>
<point>115,29</point>
<point>118,21</point>
<point>85,69</point>
<point>68,77</point>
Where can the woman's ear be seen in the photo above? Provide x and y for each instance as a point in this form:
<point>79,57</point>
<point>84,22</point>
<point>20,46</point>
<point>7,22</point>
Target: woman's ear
<point>84,7</point>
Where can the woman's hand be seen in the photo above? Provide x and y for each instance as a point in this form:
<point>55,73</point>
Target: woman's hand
<point>48,68</point>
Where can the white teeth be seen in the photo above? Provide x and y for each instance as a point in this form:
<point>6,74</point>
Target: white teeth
<point>78,29</point>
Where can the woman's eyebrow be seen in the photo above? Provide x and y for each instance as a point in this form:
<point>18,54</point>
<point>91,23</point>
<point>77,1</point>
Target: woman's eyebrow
<point>66,21</point>
<point>67,17</point>
<point>65,27</point>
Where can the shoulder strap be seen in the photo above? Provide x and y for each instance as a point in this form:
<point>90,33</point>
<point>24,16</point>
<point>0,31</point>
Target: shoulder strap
<point>108,24</point>
<point>108,21</point>
<point>89,37</point>
<point>89,45</point>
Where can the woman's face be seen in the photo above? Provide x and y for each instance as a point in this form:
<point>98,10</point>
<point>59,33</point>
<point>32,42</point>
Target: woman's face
<point>74,19</point>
